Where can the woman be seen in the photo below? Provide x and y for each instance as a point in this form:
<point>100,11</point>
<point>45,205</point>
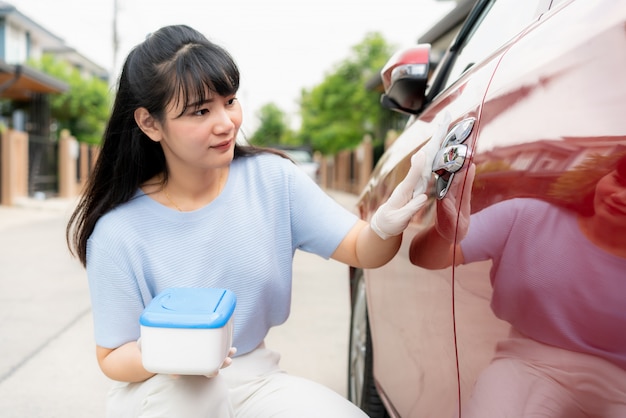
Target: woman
<point>174,201</point>
<point>558,278</point>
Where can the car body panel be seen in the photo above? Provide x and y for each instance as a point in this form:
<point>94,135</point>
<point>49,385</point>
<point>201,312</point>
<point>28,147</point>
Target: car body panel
<point>524,147</point>
<point>425,379</point>
<point>539,113</point>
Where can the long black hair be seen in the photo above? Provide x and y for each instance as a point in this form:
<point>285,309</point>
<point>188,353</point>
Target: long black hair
<point>175,63</point>
<point>576,189</point>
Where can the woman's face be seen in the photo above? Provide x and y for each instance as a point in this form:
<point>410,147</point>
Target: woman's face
<point>204,135</point>
<point>610,199</point>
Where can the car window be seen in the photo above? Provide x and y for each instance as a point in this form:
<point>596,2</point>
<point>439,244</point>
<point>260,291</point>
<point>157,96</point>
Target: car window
<point>500,21</point>
<point>299,156</point>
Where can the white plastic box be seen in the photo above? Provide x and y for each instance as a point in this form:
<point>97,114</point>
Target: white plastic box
<point>187,331</point>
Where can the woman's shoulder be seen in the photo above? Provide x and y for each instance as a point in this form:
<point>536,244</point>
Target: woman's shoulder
<point>125,216</point>
<point>264,165</point>
<point>265,158</point>
<point>525,205</point>
<point>519,210</point>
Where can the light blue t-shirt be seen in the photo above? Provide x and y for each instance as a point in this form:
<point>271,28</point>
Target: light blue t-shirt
<point>243,241</point>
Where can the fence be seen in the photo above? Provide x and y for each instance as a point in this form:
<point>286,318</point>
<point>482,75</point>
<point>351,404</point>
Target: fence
<point>33,165</point>
<point>13,166</point>
<point>350,170</point>
<point>43,166</point>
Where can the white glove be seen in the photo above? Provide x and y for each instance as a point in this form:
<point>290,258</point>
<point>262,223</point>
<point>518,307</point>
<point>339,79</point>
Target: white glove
<point>394,215</point>
<point>432,147</point>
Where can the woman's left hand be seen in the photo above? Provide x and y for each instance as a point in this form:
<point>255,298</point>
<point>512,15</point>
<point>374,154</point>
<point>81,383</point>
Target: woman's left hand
<point>394,215</point>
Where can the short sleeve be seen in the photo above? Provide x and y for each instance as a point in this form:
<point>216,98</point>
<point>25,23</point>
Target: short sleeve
<point>319,223</point>
<point>488,231</point>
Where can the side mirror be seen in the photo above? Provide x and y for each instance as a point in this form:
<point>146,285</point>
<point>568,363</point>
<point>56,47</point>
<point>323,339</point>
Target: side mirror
<point>404,79</point>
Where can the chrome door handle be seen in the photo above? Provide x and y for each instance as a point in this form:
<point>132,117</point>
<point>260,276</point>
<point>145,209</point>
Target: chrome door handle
<point>451,157</point>
<point>447,162</point>
<point>459,132</point>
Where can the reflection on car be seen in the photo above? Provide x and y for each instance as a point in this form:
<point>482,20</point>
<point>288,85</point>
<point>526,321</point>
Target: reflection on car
<point>529,192</point>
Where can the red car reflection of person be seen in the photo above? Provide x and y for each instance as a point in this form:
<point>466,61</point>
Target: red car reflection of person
<point>559,279</point>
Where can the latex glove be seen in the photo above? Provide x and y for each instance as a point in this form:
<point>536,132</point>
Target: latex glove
<point>432,147</point>
<point>394,215</point>
<point>452,219</point>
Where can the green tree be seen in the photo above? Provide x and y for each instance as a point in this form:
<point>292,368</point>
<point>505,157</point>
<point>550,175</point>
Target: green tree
<point>337,113</point>
<point>273,128</point>
<point>85,107</point>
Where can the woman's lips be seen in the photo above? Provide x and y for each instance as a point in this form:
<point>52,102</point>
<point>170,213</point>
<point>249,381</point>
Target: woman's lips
<point>222,146</point>
<point>615,208</point>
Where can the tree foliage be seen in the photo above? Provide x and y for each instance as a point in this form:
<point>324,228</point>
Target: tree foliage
<point>85,107</point>
<point>273,128</point>
<point>338,112</point>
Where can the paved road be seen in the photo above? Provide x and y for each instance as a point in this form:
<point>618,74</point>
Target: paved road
<point>47,361</point>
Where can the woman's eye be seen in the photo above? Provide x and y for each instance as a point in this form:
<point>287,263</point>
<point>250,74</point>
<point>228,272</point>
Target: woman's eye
<point>621,180</point>
<point>231,101</point>
<point>201,112</point>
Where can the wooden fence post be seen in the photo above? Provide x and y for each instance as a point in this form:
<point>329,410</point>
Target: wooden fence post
<point>343,181</point>
<point>68,157</point>
<point>364,156</point>
<point>14,166</point>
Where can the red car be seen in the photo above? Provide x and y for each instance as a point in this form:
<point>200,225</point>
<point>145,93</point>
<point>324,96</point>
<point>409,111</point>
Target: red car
<point>533,95</point>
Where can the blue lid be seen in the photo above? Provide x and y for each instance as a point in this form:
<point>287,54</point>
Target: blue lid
<point>190,307</point>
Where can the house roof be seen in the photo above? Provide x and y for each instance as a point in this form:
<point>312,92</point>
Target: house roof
<point>19,82</point>
<point>47,38</point>
<point>448,23</point>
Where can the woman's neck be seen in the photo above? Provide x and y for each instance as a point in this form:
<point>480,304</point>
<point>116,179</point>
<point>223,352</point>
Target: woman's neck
<point>186,193</point>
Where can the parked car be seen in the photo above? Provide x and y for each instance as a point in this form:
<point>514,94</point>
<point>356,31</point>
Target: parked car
<point>303,157</point>
<point>535,91</point>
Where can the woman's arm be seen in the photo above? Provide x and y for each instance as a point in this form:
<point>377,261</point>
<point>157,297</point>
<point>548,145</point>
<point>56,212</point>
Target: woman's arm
<point>363,248</point>
<point>122,363</point>
<point>373,245</point>
<point>431,251</point>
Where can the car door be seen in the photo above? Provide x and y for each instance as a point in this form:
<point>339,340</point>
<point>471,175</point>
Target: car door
<point>411,310</point>
<point>552,115</point>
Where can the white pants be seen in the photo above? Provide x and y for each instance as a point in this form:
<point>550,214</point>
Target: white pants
<point>530,379</point>
<point>252,386</point>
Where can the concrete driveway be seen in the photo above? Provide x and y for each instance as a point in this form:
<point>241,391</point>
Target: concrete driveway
<point>48,366</point>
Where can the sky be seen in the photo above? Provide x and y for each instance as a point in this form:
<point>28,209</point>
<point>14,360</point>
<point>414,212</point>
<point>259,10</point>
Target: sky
<point>281,46</point>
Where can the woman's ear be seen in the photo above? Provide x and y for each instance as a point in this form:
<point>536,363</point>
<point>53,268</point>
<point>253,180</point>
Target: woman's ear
<point>148,124</point>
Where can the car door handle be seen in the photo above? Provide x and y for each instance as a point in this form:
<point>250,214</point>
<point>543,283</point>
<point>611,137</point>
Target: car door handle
<point>451,157</point>
<point>447,162</point>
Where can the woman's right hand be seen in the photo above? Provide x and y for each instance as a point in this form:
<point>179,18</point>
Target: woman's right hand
<point>227,362</point>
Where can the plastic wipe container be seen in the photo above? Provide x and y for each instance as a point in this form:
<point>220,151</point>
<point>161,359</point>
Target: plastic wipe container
<point>187,330</point>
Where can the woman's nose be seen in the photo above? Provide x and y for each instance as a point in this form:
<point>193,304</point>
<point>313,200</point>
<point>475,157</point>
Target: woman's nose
<point>223,121</point>
<point>620,194</point>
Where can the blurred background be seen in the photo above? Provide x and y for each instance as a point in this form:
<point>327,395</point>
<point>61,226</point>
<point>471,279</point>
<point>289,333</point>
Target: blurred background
<point>310,78</point>
<point>281,46</point>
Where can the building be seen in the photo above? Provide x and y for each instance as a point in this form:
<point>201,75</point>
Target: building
<point>24,103</point>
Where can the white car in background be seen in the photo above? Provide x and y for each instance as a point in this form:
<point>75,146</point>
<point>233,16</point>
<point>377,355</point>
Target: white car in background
<point>303,158</point>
